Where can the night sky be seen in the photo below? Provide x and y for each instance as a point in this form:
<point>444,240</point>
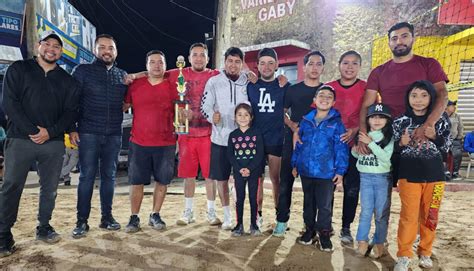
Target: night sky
<point>143,25</point>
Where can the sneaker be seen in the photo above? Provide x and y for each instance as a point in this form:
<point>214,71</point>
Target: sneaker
<point>7,246</point>
<point>133,224</point>
<point>67,183</point>
<point>80,230</point>
<point>227,225</point>
<point>378,251</point>
<point>402,264</point>
<point>307,237</point>
<point>279,229</point>
<point>259,221</point>
<point>212,217</point>
<point>47,234</point>
<point>425,262</point>
<point>186,218</point>
<point>448,175</point>
<point>109,223</point>
<point>156,222</point>
<point>346,237</point>
<point>238,230</point>
<point>456,176</point>
<point>255,231</point>
<point>325,243</point>
<point>362,248</point>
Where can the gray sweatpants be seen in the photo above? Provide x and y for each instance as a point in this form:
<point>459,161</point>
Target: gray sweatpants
<point>19,155</point>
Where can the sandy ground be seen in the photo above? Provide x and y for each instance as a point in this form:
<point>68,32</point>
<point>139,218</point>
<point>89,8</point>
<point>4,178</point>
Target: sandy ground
<point>200,246</point>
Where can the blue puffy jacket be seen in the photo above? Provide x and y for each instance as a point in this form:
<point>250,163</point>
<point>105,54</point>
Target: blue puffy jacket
<point>322,154</point>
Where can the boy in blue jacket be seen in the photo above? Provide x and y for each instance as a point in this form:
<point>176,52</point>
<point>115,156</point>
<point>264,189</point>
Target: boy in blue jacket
<point>321,160</point>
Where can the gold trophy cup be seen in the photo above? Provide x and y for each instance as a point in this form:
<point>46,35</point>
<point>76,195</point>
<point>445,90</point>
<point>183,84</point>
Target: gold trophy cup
<point>181,125</point>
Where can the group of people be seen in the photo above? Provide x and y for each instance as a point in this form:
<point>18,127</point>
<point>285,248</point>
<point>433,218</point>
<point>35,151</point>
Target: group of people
<point>328,134</point>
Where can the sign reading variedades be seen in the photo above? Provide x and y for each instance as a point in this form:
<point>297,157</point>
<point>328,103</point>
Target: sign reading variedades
<point>269,9</point>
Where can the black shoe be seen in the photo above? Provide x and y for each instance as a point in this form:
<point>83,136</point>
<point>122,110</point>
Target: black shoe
<point>67,183</point>
<point>109,223</point>
<point>346,237</point>
<point>325,243</point>
<point>76,170</point>
<point>47,234</point>
<point>238,230</point>
<point>307,237</point>
<point>156,222</point>
<point>7,245</point>
<point>80,230</point>
<point>133,224</point>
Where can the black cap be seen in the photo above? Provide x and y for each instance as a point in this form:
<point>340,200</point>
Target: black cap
<point>267,52</point>
<point>378,109</point>
<point>50,34</point>
<point>452,102</point>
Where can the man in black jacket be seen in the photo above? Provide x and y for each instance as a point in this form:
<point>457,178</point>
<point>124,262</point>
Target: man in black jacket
<point>40,100</point>
<point>99,131</point>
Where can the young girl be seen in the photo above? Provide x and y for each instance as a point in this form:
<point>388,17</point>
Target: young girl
<point>245,152</point>
<point>375,179</point>
<point>321,160</point>
<point>421,174</point>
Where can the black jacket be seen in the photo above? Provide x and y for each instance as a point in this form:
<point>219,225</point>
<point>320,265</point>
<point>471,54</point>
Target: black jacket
<point>34,98</point>
<point>102,94</point>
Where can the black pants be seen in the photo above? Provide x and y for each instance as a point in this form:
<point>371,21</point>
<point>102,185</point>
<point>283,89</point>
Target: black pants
<point>351,186</point>
<point>19,155</point>
<point>318,195</point>
<point>252,183</point>
<point>286,178</point>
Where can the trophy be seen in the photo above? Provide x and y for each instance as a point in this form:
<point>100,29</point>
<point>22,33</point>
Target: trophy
<point>181,125</point>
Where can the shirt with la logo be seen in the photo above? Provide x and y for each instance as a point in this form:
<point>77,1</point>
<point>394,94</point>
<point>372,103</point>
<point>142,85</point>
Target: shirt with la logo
<point>267,100</point>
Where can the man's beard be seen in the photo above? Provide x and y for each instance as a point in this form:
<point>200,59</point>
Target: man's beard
<point>108,62</point>
<point>401,53</point>
<point>43,57</point>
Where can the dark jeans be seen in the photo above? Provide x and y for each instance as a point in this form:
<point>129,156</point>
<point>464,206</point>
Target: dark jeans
<point>19,155</point>
<point>286,178</point>
<point>252,183</point>
<point>318,194</point>
<point>351,186</point>
<point>97,151</point>
<point>456,150</point>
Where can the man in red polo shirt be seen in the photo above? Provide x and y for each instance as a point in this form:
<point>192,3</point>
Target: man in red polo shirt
<point>152,142</point>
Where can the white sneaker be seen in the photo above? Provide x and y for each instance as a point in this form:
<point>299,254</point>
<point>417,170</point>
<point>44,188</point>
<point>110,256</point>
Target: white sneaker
<point>227,225</point>
<point>402,264</point>
<point>186,218</point>
<point>425,262</point>
<point>259,221</point>
<point>212,217</point>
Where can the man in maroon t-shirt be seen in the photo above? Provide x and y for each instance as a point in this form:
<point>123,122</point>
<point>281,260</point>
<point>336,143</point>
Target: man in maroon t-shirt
<point>152,142</point>
<point>392,79</point>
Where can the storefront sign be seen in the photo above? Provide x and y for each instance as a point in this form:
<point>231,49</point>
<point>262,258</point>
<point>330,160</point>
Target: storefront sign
<point>269,9</point>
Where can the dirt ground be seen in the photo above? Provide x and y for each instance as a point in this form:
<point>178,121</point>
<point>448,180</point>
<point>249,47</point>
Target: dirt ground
<point>200,246</point>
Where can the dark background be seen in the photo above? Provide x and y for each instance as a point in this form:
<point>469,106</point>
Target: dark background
<point>143,25</point>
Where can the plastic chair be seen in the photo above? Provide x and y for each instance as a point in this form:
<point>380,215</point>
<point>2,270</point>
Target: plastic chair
<point>471,160</point>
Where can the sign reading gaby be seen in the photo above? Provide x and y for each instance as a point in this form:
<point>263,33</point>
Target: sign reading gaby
<point>269,9</point>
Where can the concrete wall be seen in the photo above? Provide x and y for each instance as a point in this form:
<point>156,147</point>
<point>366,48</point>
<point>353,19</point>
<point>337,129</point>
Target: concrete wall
<point>331,26</point>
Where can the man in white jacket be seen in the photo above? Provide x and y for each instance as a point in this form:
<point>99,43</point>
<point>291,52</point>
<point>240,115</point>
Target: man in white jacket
<point>222,94</point>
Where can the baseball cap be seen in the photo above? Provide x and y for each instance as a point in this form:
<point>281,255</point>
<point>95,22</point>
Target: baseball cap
<point>327,87</point>
<point>378,109</point>
<point>267,52</point>
<point>452,102</point>
<point>50,34</point>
